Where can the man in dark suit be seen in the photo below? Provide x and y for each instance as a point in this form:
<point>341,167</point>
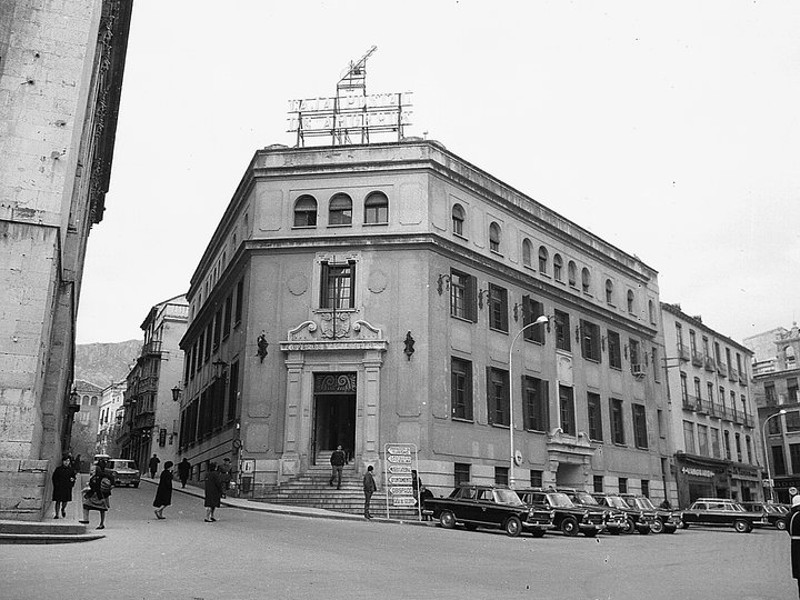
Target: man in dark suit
<point>369,489</point>
<point>337,463</point>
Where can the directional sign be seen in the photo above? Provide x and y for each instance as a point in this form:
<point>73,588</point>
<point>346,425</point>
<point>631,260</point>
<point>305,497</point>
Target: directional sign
<point>400,469</point>
<point>399,450</point>
<point>399,480</point>
<point>401,491</point>
<point>399,459</point>
<point>404,501</point>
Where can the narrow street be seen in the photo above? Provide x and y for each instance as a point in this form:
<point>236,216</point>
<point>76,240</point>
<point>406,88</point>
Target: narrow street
<point>260,555</point>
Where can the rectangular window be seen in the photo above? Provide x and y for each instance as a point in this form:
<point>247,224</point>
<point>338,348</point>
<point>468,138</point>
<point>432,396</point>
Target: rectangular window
<point>498,308</point>
<point>463,296</point>
<point>637,367</point>
<point>693,342</point>
<point>656,364</point>
<point>195,354</point>
<point>532,310</point>
<point>614,350</point>
<point>535,404</point>
<point>226,328</point>
<point>536,479</point>
<point>217,328</point>
<point>597,483</point>
<point>640,425</point>
<point>461,473</point>
<point>688,437</point>
<point>567,409</point>
<point>501,475</point>
<point>497,396</point>
<point>769,394</point>
<point>646,488</point>
<point>617,422</point>
<point>684,389</point>
<point>563,341</point>
<point>239,302</point>
<point>461,389</point>
<point>623,485</point>
<point>792,421</point>
<point>794,455</point>
<point>233,393</point>
<point>702,439</point>
<point>738,439</point>
<point>791,390</point>
<point>774,427</point>
<point>749,445</point>
<point>679,338</point>
<point>595,416</point>
<point>187,364</point>
<point>726,436</point>
<point>337,285</point>
<point>662,433</point>
<point>715,442</point>
<point>778,462</point>
<point>590,340</point>
<point>207,353</point>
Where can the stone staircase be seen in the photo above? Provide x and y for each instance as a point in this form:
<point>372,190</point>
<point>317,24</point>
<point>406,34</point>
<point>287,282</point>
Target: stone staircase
<point>311,489</point>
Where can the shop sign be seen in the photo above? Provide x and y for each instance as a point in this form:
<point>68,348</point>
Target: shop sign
<point>697,472</point>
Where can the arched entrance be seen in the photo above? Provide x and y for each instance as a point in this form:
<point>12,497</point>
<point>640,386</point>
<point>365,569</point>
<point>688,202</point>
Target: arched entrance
<point>334,413</point>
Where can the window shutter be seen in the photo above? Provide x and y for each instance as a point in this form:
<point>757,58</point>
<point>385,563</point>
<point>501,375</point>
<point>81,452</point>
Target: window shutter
<point>472,300</point>
<point>490,399</point>
<point>323,288</point>
<point>545,403</point>
<point>525,407</point>
<point>352,283</point>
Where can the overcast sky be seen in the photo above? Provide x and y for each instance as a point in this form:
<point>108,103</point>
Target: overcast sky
<point>669,129</point>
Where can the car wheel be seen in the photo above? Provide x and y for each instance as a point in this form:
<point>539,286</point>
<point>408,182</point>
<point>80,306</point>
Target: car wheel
<point>513,526</point>
<point>447,520</point>
<point>780,524</point>
<point>569,526</point>
<point>136,485</point>
<point>657,526</point>
<point>470,526</point>
<point>629,526</point>
<point>742,526</point>
<point>538,533</point>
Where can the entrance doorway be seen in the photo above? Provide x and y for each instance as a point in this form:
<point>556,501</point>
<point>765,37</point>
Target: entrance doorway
<point>334,423</point>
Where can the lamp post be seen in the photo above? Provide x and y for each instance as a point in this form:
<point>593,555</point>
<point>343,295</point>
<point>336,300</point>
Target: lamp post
<point>782,411</point>
<point>538,321</point>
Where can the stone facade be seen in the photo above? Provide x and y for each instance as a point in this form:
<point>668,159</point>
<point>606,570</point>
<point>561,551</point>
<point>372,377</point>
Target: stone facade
<point>60,77</point>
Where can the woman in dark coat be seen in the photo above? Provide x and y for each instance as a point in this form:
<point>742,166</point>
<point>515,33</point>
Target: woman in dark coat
<point>213,491</point>
<point>98,495</point>
<point>63,480</point>
<point>164,491</point>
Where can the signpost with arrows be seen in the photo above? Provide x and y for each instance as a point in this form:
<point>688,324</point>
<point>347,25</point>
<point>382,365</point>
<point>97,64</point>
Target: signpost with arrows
<point>400,460</point>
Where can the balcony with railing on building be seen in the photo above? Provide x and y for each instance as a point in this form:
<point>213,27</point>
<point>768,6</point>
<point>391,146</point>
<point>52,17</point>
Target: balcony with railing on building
<point>683,352</point>
<point>691,402</point>
<point>709,364</point>
<point>722,369</point>
<point>152,348</point>
<point>697,358</point>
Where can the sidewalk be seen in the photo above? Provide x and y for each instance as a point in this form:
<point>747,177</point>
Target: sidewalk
<point>281,509</point>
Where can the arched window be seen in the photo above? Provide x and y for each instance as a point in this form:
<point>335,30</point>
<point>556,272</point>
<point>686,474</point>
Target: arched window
<point>305,212</point>
<point>94,401</point>
<point>630,301</point>
<point>789,357</point>
<point>558,267</point>
<point>527,252</point>
<point>610,292</point>
<point>458,219</point>
<point>572,274</point>
<point>376,208</point>
<point>586,281</point>
<point>543,256</point>
<point>494,237</point>
<point>340,210</point>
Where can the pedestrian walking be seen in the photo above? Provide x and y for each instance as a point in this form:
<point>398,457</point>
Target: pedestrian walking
<point>225,475</point>
<point>369,489</point>
<point>794,532</point>
<point>153,465</point>
<point>63,480</point>
<point>97,496</point>
<point>77,464</point>
<point>337,464</point>
<point>184,468</point>
<point>164,492</point>
<point>213,492</point>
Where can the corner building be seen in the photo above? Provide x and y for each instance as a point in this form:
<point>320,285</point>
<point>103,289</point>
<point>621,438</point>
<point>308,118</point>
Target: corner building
<point>387,283</point>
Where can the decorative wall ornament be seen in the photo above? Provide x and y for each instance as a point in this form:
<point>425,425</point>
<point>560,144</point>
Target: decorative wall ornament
<point>377,282</point>
<point>335,325</point>
<point>334,382</point>
<point>409,345</point>
<point>297,284</point>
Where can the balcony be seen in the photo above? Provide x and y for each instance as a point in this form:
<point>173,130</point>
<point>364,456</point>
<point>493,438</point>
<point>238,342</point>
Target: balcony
<point>722,369</point>
<point>683,352</point>
<point>709,364</point>
<point>148,385</point>
<point>152,348</point>
<point>144,420</point>
<point>718,410</point>
<point>743,378</point>
<point>690,403</point>
<point>697,359</point>
<point>733,374</point>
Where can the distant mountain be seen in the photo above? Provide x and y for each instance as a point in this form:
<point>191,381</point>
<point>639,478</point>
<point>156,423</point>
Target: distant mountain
<point>104,364</point>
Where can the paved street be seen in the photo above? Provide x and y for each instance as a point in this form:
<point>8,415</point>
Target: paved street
<point>259,555</point>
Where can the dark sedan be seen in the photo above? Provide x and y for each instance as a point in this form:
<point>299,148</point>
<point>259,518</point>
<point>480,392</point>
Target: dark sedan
<point>721,512</point>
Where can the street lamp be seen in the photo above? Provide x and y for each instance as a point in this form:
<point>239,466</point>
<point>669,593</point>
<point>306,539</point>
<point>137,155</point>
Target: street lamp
<point>539,321</point>
<point>782,411</point>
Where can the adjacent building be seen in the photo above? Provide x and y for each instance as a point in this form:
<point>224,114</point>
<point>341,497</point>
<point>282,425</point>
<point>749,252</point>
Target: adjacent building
<point>150,422</point>
<point>713,417</point>
<point>778,400</point>
<point>112,413</point>
<point>83,437</point>
<point>374,294</point>
<point>61,67</point>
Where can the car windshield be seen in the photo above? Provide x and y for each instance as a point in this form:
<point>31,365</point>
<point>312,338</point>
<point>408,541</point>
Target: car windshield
<point>585,498</point>
<point>559,500</point>
<point>616,502</point>
<point>645,504</point>
<point>737,507</point>
<point>507,497</point>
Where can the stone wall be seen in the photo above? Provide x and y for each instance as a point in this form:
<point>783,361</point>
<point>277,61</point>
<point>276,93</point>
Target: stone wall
<point>22,489</point>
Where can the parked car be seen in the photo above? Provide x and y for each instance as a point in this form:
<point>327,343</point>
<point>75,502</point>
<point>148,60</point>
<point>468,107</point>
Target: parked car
<point>665,521</point>
<point>615,520</point>
<point>776,515</point>
<point>637,519</point>
<point>487,506</point>
<point>721,512</point>
<point>124,470</point>
<point>567,517</point>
